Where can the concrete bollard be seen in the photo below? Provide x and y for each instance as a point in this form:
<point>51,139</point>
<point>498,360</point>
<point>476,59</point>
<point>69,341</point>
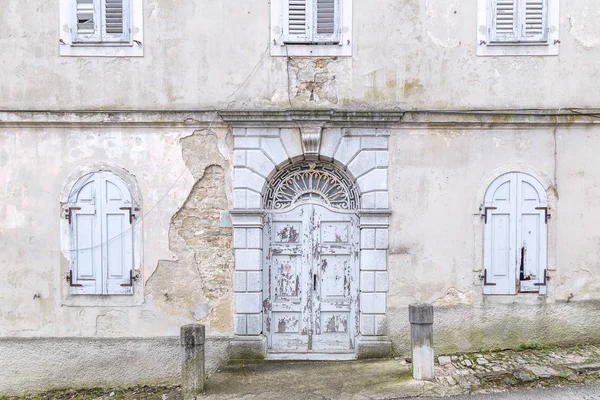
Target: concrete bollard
<point>421,337</point>
<point>192,363</point>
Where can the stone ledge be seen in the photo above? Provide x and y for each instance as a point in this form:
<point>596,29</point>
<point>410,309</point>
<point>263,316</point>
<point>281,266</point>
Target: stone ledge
<point>373,347</point>
<point>248,348</point>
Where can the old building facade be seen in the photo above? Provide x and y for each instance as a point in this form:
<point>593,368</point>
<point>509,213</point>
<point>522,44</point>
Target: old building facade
<point>292,174</point>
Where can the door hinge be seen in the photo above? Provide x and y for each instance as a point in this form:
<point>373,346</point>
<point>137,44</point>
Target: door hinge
<point>69,213</point>
<point>547,216</point>
<point>131,279</point>
<point>485,213</point>
<point>484,277</point>
<point>70,280</point>
<point>546,279</point>
<point>131,214</point>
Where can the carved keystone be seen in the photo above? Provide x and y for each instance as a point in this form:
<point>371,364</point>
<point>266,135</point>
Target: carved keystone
<point>311,140</point>
<point>421,336</point>
<point>192,363</point>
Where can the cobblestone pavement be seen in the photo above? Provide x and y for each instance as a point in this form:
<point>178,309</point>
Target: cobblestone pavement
<point>527,365</point>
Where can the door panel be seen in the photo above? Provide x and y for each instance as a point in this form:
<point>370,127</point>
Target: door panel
<point>310,269</point>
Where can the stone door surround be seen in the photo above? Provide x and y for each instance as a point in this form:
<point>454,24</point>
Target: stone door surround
<point>264,142</point>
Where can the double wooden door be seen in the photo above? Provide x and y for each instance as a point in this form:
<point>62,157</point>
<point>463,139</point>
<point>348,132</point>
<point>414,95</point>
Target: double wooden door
<point>310,276</point>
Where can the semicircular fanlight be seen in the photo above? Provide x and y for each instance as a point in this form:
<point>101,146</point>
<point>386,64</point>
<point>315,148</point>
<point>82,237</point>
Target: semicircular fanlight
<point>312,181</point>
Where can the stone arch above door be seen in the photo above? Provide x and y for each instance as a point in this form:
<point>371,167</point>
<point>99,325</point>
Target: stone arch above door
<point>264,155</point>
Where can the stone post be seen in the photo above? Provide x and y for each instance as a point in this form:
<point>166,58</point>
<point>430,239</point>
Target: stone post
<point>192,363</point>
<point>421,337</point>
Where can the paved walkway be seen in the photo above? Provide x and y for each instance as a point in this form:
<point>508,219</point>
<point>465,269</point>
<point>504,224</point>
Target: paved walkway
<point>459,374</point>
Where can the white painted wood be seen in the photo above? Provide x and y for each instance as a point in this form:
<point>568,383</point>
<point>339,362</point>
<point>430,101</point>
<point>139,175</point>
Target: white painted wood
<point>296,21</point>
<point>518,21</point>
<point>117,235</point>
<point>515,227</point>
<point>310,277</point>
<point>101,236</point>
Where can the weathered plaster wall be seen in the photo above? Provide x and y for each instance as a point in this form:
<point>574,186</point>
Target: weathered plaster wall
<point>186,271</point>
<point>436,180</point>
<point>407,54</point>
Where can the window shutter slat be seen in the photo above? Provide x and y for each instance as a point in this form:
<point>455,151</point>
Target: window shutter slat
<point>327,21</point>
<point>296,29</point>
<point>114,16</point>
<point>504,21</point>
<point>86,21</point>
<point>534,24</point>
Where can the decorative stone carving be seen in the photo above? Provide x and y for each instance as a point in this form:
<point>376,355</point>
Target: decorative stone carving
<point>311,141</point>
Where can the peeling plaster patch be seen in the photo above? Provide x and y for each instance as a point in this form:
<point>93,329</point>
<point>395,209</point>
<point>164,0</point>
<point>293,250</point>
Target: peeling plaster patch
<point>201,311</point>
<point>454,297</point>
<point>313,80</point>
<point>203,272</point>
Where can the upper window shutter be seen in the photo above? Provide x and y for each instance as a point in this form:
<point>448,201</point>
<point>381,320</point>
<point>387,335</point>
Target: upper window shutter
<point>534,23</point>
<point>326,21</point>
<point>531,234</point>
<point>86,245</point>
<point>86,27</point>
<point>296,21</point>
<point>504,22</point>
<point>115,20</point>
<point>500,236</point>
<point>117,235</point>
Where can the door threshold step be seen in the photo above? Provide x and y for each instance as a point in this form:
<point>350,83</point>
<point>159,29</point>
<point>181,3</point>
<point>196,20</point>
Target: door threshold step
<point>311,356</point>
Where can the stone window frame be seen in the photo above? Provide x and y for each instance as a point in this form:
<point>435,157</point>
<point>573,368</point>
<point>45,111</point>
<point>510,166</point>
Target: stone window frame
<point>96,300</point>
<point>281,49</point>
<point>265,143</point>
<point>134,48</point>
<point>485,48</point>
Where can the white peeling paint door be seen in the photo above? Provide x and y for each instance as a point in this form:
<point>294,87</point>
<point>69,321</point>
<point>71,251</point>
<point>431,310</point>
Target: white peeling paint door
<point>310,274</point>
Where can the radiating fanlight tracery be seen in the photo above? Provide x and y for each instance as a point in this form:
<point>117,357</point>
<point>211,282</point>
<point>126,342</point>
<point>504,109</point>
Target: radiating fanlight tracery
<point>308,181</point>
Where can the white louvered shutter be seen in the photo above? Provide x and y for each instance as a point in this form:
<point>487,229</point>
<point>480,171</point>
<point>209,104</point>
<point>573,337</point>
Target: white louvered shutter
<point>86,251</point>
<point>296,21</point>
<point>117,235</point>
<point>534,20</point>
<point>531,234</point>
<point>504,23</point>
<point>86,26</point>
<point>326,21</point>
<point>500,236</point>
<point>115,20</point>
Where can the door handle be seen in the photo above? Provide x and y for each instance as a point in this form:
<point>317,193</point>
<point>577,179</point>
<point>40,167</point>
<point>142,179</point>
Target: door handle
<point>314,281</point>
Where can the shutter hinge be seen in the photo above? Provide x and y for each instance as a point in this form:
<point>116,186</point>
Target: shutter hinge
<point>546,279</point>
<point>69,213</point>
<point>131,279</point>
<point>485,213</point>
<point>70,280</point>
<point>131,214</point>
<point>484,277</point>
<point>547,216</point>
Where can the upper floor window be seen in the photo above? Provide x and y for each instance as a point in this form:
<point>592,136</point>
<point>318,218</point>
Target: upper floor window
<point>518,27</point>
<point>101,27</point>
<point>311,27</point>
<point>515,235</point>
<point>101,213</point>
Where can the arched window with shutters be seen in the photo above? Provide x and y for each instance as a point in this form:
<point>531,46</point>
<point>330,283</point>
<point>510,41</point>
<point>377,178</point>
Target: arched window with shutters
<point>101,213</point>
<point>515,236</point>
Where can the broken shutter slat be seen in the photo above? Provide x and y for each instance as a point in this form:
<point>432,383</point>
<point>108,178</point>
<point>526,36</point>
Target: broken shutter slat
<point>86,26</point>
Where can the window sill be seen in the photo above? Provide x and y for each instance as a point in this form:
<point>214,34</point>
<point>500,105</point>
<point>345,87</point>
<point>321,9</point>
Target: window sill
<point>101,50</point>
<point>518,49</point>
<point>311,50</point>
